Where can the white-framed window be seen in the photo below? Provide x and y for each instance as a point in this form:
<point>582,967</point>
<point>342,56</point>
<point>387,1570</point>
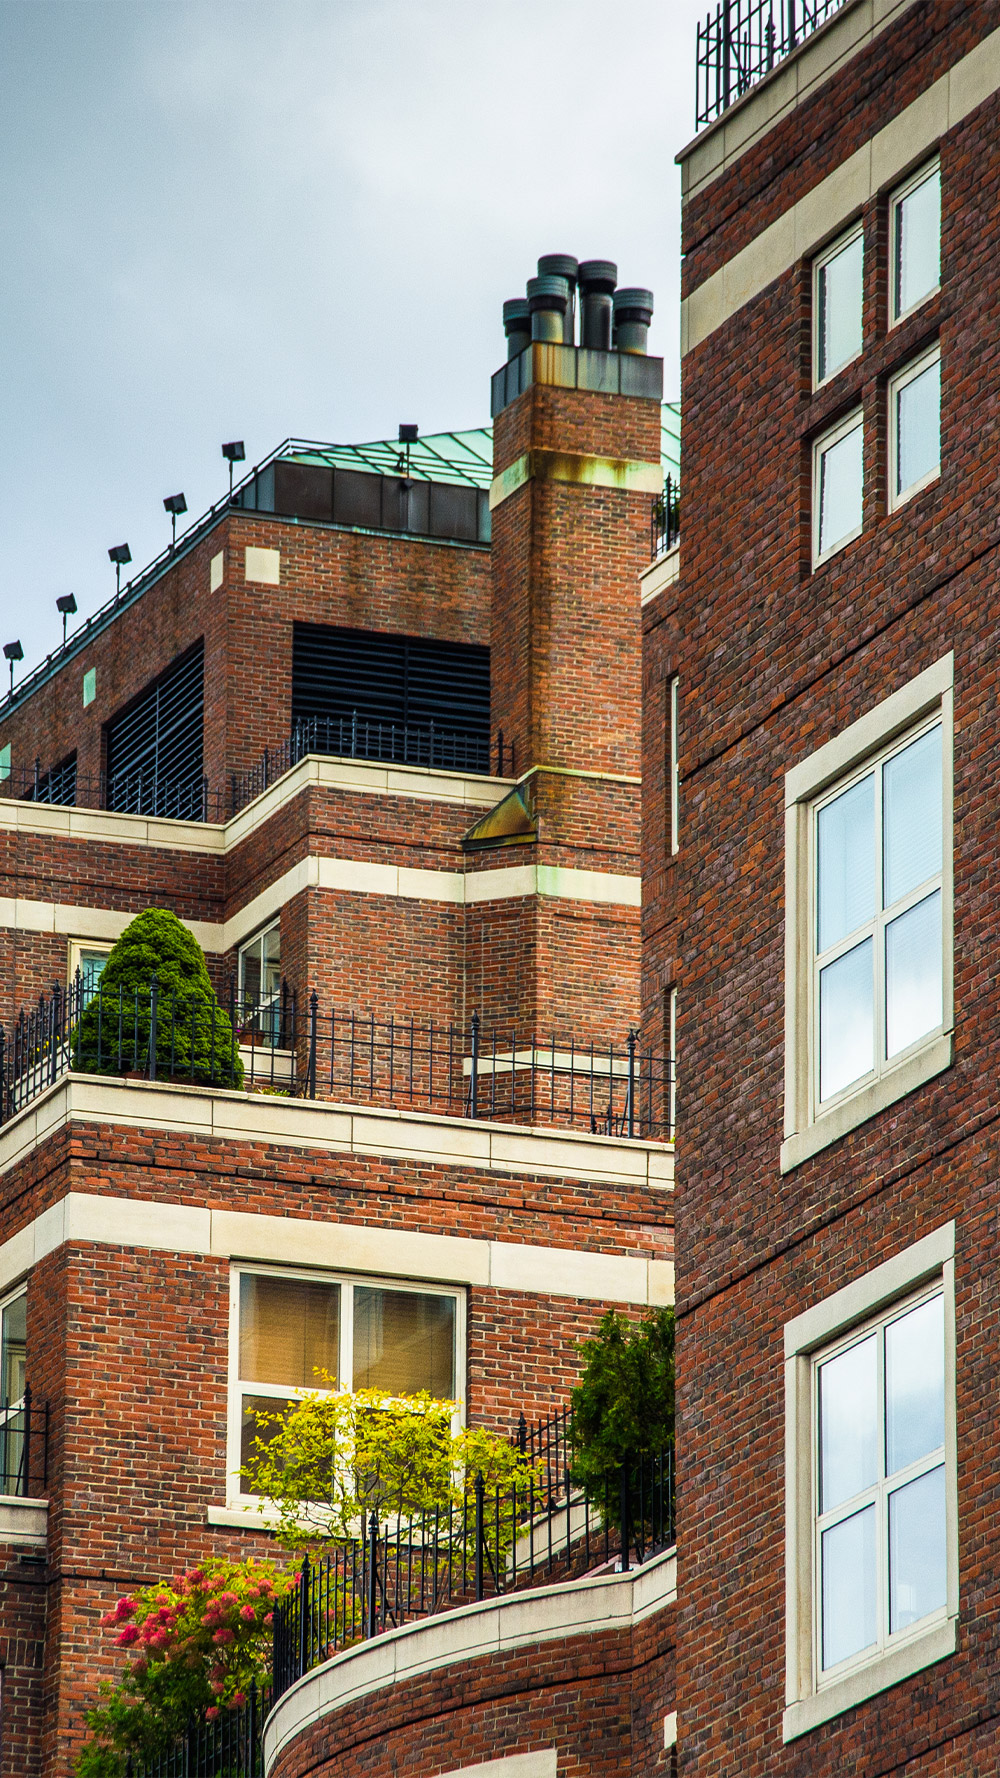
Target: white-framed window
<point>838,292</point>
<point>259,985</point>
<point>838,486</point>
<point>871,1514</point>
<point>675,778</point>
<point>868,955</point>
<point>289,1327</point>
<point>13,1376</point>
<point>89,957</point>
<point>915,241</point>
<point>914,426</point>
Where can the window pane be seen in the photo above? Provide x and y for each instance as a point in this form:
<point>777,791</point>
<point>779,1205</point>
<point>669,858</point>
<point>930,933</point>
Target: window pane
<point>13,1345</point>
<point>404,1342</point>
<point>918,243</point>
<point>289,1330</point>
<point>91,968</point>
<point>913,997</point>
<point>846,1020</point>
<point>840,490</point>
<point>918,1567</point>
<point>848,1563</point>
<point>848,1423</point>
<point>271,963</point>
<point>918,428</point>
<point>914,1385</point>
<point>911,816</point>
<point>845,863</point>
<point>256,1422</point>
<point>250,972</point>
<point>838,291</point>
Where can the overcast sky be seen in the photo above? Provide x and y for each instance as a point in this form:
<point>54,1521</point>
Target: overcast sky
<point>261,218</point>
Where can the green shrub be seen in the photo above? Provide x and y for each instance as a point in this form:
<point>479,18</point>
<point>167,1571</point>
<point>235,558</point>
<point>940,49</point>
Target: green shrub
<point>623,1405</point>
<point>194,1039</point>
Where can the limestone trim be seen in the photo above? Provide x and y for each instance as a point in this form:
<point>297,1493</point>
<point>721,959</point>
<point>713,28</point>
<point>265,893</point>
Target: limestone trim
<point>23,1520</point>
<point>838,199</point>
<point>104,1221</point>
<point>348,876</point>
<point>578,469</point>
<point>359,777</point>
<point>588,1607</point>
<point>721,143</point>
<point>660,574</point>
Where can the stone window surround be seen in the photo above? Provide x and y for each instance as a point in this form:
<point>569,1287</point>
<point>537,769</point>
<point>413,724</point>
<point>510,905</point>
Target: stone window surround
<point>807,1704</point>
<point>806,1133</point>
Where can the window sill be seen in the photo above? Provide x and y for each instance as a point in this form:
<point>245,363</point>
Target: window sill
<point>802,1144</point>
<point>886,1670</point>
<point>236,1518</point>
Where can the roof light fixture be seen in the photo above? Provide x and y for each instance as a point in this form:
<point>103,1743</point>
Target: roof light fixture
<point>233,453</point>
<point>407,436</point>
<point>120,555</point>
<point>12,652</point>
<point>66,606</point>
<point>175,504</point>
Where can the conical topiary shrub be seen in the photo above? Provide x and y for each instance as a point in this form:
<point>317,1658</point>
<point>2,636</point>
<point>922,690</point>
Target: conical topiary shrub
<point>194,1038</point>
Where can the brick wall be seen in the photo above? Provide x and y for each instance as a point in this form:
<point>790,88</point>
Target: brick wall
<point>774,660</point>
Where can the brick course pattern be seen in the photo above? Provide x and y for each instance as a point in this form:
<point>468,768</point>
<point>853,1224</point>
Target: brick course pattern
<point>774,660</point>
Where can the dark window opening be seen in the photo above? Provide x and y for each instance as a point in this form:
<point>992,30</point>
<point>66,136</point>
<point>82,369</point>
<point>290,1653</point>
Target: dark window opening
<point>155,747</point>
<point>381,696</point>
<point>57,785</point>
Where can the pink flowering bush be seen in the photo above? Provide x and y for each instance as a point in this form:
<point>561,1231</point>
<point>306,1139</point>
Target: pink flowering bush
<point>192,1650</point>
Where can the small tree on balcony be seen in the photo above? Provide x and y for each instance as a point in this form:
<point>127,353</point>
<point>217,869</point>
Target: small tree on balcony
<point>157,958</point>
<point>623,1405</point>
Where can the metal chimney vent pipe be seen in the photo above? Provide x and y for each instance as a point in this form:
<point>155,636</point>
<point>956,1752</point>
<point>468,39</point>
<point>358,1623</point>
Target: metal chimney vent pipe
<point>598,278</point>
<point>633,312</point>
<point>563,265</point>
<point>547,300</point>
<point>517,325</point>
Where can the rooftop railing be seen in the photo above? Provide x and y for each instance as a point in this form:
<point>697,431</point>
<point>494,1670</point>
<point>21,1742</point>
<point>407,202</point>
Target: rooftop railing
<point>301,1047</point>
<point>742,40</point>
<point>665,520</point>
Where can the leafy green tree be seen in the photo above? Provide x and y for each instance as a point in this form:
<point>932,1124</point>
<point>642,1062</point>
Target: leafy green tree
<point>324,1464</point>
<point>194,1038</point>
<point>192,1649</point>
<point>623,1405</point>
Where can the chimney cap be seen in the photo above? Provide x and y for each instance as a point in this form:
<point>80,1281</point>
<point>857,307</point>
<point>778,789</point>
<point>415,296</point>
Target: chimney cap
<point>598,274</point>
<point>633,304</point>
<point>515,311</point>
<point>548,293</point>
<point>559,265</point>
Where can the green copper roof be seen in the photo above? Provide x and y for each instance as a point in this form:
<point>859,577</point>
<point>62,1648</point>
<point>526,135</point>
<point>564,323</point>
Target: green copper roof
<point>452,456</point>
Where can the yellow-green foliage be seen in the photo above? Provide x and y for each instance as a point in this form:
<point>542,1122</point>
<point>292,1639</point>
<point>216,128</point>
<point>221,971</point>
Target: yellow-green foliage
<point>330,1460</point>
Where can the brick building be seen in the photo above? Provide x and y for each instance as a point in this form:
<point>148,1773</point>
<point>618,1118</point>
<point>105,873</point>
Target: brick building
<point>372,730</point>
<point>826,920</point>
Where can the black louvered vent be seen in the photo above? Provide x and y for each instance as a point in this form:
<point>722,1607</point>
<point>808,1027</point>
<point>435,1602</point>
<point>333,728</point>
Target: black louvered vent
<point>58,785</point>
<point>155,746</point>
<point>407,698</point>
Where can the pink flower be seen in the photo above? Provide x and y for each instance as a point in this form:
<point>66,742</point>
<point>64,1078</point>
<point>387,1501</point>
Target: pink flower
<point>127,1636</point>
<point>269,1619</point>
<point>228,1599</point>
<point>248,1614</point>
<point>218,1687</point>
<point>223,1636</point>
<point>211,1714</point>
<point>238,1698</point>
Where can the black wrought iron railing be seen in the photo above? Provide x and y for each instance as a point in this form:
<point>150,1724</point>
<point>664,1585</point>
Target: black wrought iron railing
<point>665,526</point>
<point>742,40</point>
<point>230,1747</point>
<point>494,1542</point>
<point>316,1051</point>
<point>24,1447</point>
<point>130,793</point>
<point>363,737</point>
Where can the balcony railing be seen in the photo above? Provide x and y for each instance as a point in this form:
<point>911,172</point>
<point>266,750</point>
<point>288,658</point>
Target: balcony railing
<point>742,40</point>
<point>665,521</point>
<point>302,1047</point>
<point>24,1447</point>
<point>193,798</point>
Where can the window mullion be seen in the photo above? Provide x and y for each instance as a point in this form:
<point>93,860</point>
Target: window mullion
<point>347,1336</point>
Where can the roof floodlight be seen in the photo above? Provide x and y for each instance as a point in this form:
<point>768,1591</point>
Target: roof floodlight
<point>66,606</point>
<point>119,556</point>
<point>13,652</point>
<point>174,504</point>
<point>233,453</point>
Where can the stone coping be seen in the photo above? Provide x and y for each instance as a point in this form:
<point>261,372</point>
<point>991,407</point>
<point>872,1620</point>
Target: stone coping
<point>585,1607</point>
<point>23,1520</point>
